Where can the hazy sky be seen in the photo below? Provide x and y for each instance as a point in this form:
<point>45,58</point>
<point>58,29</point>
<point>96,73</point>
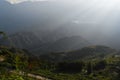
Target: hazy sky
<point>97,19</point>
<point>100,15</point>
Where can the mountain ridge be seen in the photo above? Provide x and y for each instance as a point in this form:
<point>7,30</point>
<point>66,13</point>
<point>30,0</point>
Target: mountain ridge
<point>37,44</point>
<point>89,52</point>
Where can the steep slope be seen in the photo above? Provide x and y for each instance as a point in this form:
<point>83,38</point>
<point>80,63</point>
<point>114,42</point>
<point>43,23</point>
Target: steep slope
<point>69,43</point>
<point>24,40</point>
<point>62,44</point>
<point>37,44</point>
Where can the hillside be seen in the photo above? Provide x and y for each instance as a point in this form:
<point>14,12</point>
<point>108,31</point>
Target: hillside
<point>92,62</point>
<point>14,65</point>
<point>69,43</point>
<point>89,52</point>
<point>38,45</point>
<point>23,40</point>
<point>64,44</point>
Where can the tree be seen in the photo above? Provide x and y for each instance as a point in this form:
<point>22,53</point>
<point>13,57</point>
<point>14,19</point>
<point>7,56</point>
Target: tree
<point>100,65</point>
<point>3,34</point>
<point>71,67</point>
<point>89,68</point>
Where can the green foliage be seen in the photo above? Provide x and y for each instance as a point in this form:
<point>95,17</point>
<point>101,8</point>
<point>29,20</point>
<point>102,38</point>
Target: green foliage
<point>15,77</point>
<point>93,67</point>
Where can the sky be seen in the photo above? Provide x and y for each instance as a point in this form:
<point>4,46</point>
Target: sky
<point>21,1</point>
<point>90,17</point>
<point>92,12</point>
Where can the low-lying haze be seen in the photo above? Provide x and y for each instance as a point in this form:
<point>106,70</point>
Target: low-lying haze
<point>96,20</point>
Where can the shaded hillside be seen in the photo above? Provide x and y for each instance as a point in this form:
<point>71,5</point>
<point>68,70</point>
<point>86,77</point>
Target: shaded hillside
<point>86,52</point>
<point>64,44</point>
<point>69,43</point>
<point>23,40</point>
<point>27,40</point>
<point>38,45</point>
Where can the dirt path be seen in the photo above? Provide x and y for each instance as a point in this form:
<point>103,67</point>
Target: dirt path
<point>37,77</point>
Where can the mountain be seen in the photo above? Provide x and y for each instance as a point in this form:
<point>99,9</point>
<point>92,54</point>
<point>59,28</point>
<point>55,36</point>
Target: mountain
<point>89,52</point>
<point>38,44</point>
<point>23,40</point>
<point>53,18</point>
<point>69,43</point>
<point>63,44</point>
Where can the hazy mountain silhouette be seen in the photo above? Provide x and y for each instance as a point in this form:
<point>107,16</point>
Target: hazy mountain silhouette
<point>38,45</point>
<point>50,20</point>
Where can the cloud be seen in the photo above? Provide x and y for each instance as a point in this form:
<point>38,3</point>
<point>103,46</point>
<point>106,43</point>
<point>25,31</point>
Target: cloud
<point>20,1</point>
<point>83,22</point>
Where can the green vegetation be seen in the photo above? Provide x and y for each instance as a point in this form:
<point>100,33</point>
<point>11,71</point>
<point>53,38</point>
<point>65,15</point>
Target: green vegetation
<point>106,67</point>
<point>12,61</point>
<point>89,63</point>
